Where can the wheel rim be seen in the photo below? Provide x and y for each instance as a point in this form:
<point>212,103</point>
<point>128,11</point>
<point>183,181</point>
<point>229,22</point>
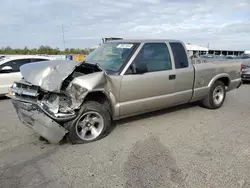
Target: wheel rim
<point>218,95</point>
<point>89,126</point>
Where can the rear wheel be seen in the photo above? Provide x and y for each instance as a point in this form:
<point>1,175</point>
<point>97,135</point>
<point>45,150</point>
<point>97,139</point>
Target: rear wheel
<point>92,123</point>
<point>216,96</point>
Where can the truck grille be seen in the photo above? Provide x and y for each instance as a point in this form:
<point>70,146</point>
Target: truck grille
<point>25,90</point>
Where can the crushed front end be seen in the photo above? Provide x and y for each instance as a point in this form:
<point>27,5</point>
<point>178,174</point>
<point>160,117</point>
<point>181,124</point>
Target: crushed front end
<point>40,111</point>
<point>48,103</point>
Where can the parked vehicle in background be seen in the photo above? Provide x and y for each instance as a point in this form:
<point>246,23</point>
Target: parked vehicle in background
<point>212,56</point>
<point>244,57</point>
<point>223,57</point>
<point>10,69</point>
<point>121,78</point>
<point>245,76</point>
<point>230,57</point>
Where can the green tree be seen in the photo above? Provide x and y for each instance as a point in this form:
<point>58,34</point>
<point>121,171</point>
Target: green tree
<point>43,49</point>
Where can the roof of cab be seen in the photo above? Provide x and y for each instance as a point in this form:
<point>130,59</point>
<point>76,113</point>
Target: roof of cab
<point>145,40</point>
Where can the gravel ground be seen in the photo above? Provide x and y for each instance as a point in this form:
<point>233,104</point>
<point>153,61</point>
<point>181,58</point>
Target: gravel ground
<point>186,146</point>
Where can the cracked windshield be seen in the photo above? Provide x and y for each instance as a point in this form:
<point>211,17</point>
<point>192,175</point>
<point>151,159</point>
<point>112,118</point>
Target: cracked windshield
<point>111,56</point>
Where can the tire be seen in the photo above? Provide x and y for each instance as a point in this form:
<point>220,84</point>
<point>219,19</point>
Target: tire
<point>84,128</point>
<point>212,102</point>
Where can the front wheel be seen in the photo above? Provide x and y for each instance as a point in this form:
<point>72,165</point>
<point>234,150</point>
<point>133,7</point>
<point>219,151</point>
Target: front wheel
<point>92,123</point>
<point>216,96</point>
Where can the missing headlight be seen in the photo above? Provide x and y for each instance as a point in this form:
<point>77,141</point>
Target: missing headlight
<point>51,101</point>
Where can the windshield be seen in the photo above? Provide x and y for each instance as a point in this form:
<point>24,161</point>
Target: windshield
<point>111,56</point>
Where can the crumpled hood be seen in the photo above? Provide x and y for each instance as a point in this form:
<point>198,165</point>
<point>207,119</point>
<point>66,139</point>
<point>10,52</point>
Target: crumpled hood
<point>49,75</point>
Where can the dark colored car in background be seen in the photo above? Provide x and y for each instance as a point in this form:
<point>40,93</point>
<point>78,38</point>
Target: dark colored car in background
<point>245,76</point>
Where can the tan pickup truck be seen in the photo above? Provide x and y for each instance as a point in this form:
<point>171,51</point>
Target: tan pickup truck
<point>121,78</point>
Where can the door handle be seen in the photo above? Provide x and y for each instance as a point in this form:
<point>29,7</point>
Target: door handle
<point>172,77</point>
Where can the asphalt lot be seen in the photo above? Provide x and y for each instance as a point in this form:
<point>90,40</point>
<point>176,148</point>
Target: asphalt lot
<point>186,146</point>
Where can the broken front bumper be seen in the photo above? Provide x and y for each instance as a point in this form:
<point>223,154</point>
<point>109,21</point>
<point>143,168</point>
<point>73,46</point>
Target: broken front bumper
<point>34,117</point>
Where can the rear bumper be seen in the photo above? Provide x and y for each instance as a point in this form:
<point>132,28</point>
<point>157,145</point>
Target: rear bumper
<point>31,115</point>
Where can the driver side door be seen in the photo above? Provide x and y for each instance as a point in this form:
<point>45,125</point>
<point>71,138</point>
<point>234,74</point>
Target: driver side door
<point>153,89</point>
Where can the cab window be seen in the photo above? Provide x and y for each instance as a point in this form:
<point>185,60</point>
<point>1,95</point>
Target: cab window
<point>156,57</point>
<point>180,56</point>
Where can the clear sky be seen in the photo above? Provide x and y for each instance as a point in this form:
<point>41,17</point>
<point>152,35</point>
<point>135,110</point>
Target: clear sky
<point>221,23</point>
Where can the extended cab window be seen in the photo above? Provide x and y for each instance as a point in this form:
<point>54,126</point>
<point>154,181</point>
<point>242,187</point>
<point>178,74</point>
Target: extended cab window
<point>180,56</point>
<point>155,56</point>
<point>15,64</point>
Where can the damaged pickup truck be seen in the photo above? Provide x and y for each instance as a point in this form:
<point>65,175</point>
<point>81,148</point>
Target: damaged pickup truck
<point>79,100</point>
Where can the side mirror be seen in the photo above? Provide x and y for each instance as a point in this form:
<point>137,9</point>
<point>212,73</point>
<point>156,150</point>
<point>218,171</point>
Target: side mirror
<point>6,69</point>
<point>140,68</point>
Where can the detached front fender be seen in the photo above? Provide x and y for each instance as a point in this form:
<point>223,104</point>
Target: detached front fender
<point>96,84</point>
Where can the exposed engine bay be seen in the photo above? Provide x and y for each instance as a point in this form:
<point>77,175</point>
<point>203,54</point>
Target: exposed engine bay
<point>65,97</point>
<point>72,92</point>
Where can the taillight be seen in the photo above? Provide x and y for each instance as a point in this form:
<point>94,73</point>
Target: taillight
<point>241,68</point>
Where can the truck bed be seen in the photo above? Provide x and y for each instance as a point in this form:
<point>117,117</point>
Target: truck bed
<point>207,71</point>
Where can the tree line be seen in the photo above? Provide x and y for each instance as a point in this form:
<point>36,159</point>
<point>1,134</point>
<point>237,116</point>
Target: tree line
<point>43,50</point>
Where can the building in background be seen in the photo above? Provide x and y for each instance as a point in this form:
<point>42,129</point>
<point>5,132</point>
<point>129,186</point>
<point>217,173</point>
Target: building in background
<point>195,50</point>
<point>226,52</point>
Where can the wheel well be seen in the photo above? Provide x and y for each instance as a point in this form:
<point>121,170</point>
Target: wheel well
<point>101,98</point>
<point>225,80</point>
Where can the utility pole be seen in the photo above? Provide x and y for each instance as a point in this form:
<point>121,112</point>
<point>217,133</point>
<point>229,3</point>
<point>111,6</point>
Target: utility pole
<point>63,37</point>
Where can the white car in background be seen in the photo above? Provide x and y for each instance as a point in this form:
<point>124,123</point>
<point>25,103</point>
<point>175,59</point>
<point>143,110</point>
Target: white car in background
<point>10,69</point>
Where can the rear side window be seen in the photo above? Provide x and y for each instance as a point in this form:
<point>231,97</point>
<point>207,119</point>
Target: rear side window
<point>180,56</point>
